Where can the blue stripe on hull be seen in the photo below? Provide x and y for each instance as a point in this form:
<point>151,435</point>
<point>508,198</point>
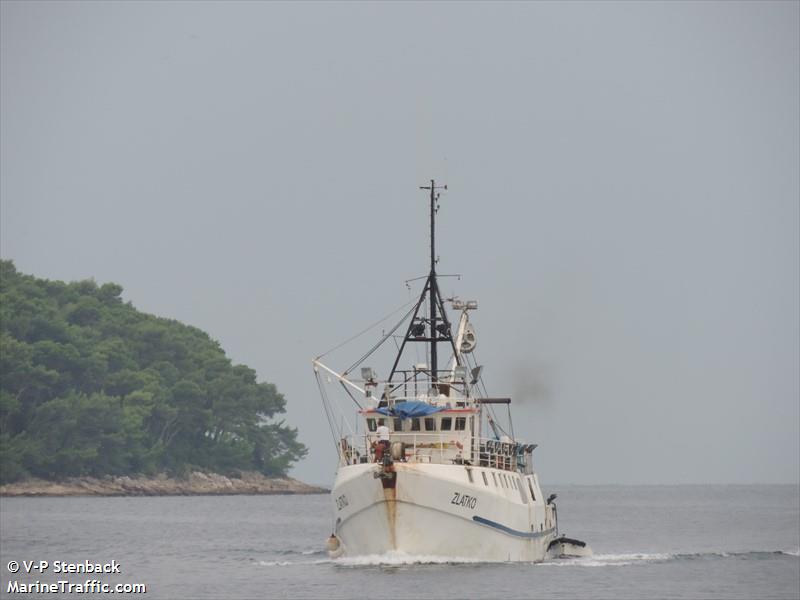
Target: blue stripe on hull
<point>508,530</point>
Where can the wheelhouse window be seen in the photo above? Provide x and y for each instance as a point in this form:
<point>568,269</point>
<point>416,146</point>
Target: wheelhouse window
<point>461,423</point>
<point>398,424</point>
<point>415,424</point>
<point>447,423</point>
<point>371,425</point>
<point>430,424</point>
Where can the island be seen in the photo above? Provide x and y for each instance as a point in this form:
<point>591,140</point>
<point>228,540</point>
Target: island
<point>98,398</point>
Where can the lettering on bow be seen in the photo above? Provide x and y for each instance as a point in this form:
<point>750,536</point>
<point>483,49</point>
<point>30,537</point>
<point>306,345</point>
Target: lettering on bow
<point>464,500</point>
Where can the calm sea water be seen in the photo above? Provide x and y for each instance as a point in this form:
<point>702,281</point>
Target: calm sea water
<point>654,542</point>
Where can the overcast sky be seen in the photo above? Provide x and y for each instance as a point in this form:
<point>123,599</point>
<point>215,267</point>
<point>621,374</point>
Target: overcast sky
<point>623,201</point>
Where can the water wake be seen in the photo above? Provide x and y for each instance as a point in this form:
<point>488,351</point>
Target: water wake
<point>620,560</point>
<point>305,552</point>
<point>401,558</point>
<point>599,560</point>
<point>275,563</point>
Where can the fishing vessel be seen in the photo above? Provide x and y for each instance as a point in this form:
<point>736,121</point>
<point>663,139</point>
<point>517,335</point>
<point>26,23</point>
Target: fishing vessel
<point>426,468</point>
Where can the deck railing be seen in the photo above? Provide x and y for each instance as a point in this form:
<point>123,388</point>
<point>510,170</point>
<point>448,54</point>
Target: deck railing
<point>445,402</point>
<point>438,448</point>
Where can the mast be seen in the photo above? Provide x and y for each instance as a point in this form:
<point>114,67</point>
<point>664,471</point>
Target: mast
<point>437,324</point>
<point>432,289</point>
<point>432,283</point>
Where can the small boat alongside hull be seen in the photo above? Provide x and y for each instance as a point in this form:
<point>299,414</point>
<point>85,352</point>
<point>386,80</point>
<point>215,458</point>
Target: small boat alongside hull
<point>564,547</point>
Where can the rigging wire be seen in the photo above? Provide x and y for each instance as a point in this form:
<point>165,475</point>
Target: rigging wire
<point>349,393</point>
<point>328,409</point>
<point>341,411</point>
<point>363,331</point>
<point>329,413</point>
<point>482,387</point>
<point>380,342</point>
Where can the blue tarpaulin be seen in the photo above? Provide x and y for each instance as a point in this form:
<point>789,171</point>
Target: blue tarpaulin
<point>408,409</point>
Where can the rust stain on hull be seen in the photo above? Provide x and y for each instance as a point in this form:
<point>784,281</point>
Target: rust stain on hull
<point>390,502</point>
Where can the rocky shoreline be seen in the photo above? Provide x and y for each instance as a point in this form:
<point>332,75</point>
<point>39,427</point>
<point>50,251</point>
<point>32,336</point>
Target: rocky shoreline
<point>195,484</point>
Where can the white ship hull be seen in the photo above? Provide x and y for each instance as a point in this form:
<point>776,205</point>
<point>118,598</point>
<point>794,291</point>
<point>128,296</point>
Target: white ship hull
<point>436,510</point>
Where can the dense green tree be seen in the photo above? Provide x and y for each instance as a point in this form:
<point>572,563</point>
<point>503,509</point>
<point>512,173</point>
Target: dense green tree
<point>91,386</point>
